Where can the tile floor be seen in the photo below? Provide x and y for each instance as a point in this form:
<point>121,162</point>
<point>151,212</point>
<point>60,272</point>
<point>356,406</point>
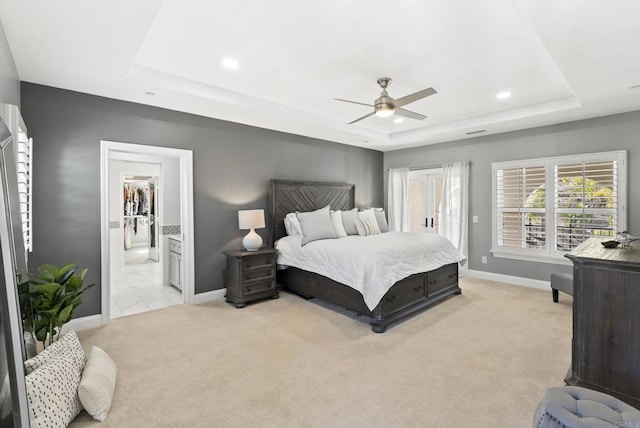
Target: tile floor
<point>137,287</point>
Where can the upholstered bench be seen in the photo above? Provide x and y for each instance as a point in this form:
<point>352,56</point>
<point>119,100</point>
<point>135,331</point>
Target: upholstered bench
<point>561,281</point>
<point>572,406</point>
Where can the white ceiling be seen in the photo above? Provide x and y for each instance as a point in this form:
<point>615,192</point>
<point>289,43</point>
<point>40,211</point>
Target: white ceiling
<point>561,60</point>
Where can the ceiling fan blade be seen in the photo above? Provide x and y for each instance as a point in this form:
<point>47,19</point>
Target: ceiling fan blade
<point>409,114</point>
<point>414,97</point>
<point>363,117</point>
<point>353,102</point>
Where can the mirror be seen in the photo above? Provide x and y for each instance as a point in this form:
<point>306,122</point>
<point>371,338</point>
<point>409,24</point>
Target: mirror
<point>13,394</point>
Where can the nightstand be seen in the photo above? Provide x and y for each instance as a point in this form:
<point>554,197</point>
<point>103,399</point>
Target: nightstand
<point>251,275</point>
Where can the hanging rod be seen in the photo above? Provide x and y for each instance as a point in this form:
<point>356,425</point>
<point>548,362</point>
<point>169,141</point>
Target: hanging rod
<point>419,168</point>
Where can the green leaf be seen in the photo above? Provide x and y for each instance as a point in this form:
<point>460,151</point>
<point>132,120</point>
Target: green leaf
<point>65,314</point>
<point>48,289</point>
<point>48,272</point>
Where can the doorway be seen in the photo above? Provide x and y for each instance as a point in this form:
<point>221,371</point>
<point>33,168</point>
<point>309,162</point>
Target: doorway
<point>135,255</point>
<point>425,200</point>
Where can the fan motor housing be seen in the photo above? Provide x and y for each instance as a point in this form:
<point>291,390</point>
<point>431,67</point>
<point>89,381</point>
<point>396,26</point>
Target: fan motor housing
<point>384,104</point>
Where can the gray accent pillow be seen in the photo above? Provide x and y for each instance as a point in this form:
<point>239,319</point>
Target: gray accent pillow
<point>316,225</point>
<point>382,221</point>
<point>349,221</point>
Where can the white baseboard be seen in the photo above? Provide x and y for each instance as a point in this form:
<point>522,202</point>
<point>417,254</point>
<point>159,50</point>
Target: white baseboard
<point>515,280</point>
<point>83,323</point>
<point>209,296</point>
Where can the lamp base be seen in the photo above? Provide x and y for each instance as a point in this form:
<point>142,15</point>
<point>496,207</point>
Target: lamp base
<point>252,242</point>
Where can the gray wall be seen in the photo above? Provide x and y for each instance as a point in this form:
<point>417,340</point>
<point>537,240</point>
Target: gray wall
<point>233,164</point>
<point>618,132</point>
<point>9,81</point>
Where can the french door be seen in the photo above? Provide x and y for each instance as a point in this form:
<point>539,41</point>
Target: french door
<point>425,199</point>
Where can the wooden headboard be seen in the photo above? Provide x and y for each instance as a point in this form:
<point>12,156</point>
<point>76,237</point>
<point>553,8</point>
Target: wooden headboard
<point>292,196</point>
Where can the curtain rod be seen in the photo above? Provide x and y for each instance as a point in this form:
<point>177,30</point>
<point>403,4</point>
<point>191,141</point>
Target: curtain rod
<point>420,168</point>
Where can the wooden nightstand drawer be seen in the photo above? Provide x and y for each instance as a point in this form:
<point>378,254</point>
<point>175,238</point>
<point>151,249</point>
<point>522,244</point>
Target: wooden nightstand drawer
<point>259,261</point>
<point>259,287</point>
<point>250,276</point>
<point>258,274</point>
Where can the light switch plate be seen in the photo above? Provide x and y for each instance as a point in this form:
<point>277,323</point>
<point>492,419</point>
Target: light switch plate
<point>475,218</point>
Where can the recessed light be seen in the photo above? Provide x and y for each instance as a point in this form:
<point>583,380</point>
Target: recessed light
<point>151,94</point>
<point>230,63</point>
<point>398,120</point>
<point>503,95</point>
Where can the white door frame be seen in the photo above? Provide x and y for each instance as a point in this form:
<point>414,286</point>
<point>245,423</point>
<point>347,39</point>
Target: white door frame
<point>186,216</point>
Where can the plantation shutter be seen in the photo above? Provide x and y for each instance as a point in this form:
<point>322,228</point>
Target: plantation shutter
<point>24,155</point>
<point>586,202</point>
<point>521,206</point>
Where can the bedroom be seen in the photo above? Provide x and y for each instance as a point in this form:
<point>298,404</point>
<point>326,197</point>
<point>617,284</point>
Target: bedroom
<point>240,159</point>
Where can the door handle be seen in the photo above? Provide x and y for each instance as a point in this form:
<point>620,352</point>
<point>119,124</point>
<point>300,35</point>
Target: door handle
<point>431,221</point>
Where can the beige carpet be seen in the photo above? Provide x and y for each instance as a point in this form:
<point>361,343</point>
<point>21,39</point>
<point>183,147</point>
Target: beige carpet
<point>481,359</point>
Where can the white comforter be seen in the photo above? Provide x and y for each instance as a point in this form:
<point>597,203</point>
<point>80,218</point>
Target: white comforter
<point>369,264</point>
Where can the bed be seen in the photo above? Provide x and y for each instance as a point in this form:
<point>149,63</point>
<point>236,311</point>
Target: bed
<point>406,297</point>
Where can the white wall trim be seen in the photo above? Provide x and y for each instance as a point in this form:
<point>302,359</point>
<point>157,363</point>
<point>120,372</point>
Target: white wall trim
<point>84,323</point>
<point>209,296</point>
<point>508,279</point>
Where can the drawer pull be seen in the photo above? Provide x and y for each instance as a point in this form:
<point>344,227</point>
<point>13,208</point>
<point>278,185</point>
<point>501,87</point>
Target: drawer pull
<point>416,289</point>
<point>433,281</point>
<point>453,275</point>
<point>391,298</point>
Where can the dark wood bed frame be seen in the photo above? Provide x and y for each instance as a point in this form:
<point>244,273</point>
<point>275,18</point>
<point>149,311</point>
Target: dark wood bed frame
<point>405,298</point>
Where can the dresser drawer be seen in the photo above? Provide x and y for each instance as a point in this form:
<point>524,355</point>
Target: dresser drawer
<point>259,261</point>
<point>259,287</point>
<point>257,274</point>
<point>441,279</point>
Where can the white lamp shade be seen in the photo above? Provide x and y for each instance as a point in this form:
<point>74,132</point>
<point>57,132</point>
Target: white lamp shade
<point>251,219</point>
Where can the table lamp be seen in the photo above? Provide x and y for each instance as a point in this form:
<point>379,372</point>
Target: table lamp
<point>251,219</point>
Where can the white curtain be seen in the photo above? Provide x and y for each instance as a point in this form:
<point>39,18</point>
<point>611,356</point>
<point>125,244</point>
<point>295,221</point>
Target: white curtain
<point>398,199</point>
<point>455,207</point>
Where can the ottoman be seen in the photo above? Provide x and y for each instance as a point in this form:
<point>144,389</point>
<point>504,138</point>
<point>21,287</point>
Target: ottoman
<point>573,406</point>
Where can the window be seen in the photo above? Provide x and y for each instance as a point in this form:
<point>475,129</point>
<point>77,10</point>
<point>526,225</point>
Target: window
<point>23,158</point>
<point>543,208</point>
<point>24,167</point>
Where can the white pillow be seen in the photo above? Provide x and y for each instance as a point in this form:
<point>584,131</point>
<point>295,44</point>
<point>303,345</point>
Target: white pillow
<point>97,384</point>
<point>52,391</point>
<point>349,221</point>
<point>382,220</point>
<point>370,217</point>
<point>316,225</point>
<point>69,342</point>
<point>338,226</point>
<point>366,227</point>
<point>292,224</point>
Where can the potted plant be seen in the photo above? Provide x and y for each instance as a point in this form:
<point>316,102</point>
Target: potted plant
<point>48,299</point>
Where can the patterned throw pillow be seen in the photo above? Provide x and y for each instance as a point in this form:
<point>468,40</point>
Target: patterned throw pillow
<point>370,217</point>
<point>366,228</point>
<point>52,391</point>
<point>68,342</point>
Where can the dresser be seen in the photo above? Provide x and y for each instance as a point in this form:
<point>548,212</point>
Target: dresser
<point>606,320</point>
<point>250,276</point>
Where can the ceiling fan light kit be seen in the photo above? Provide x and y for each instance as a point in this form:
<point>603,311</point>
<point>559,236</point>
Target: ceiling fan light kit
<point>385,106</point>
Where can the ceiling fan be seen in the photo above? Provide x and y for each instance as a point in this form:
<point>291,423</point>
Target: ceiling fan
<point>386,106</point>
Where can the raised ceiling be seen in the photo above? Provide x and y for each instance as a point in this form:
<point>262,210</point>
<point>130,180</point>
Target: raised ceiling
<point>560,60</point>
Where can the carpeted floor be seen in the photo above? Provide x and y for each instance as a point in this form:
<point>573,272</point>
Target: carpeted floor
<point>481,359</point>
